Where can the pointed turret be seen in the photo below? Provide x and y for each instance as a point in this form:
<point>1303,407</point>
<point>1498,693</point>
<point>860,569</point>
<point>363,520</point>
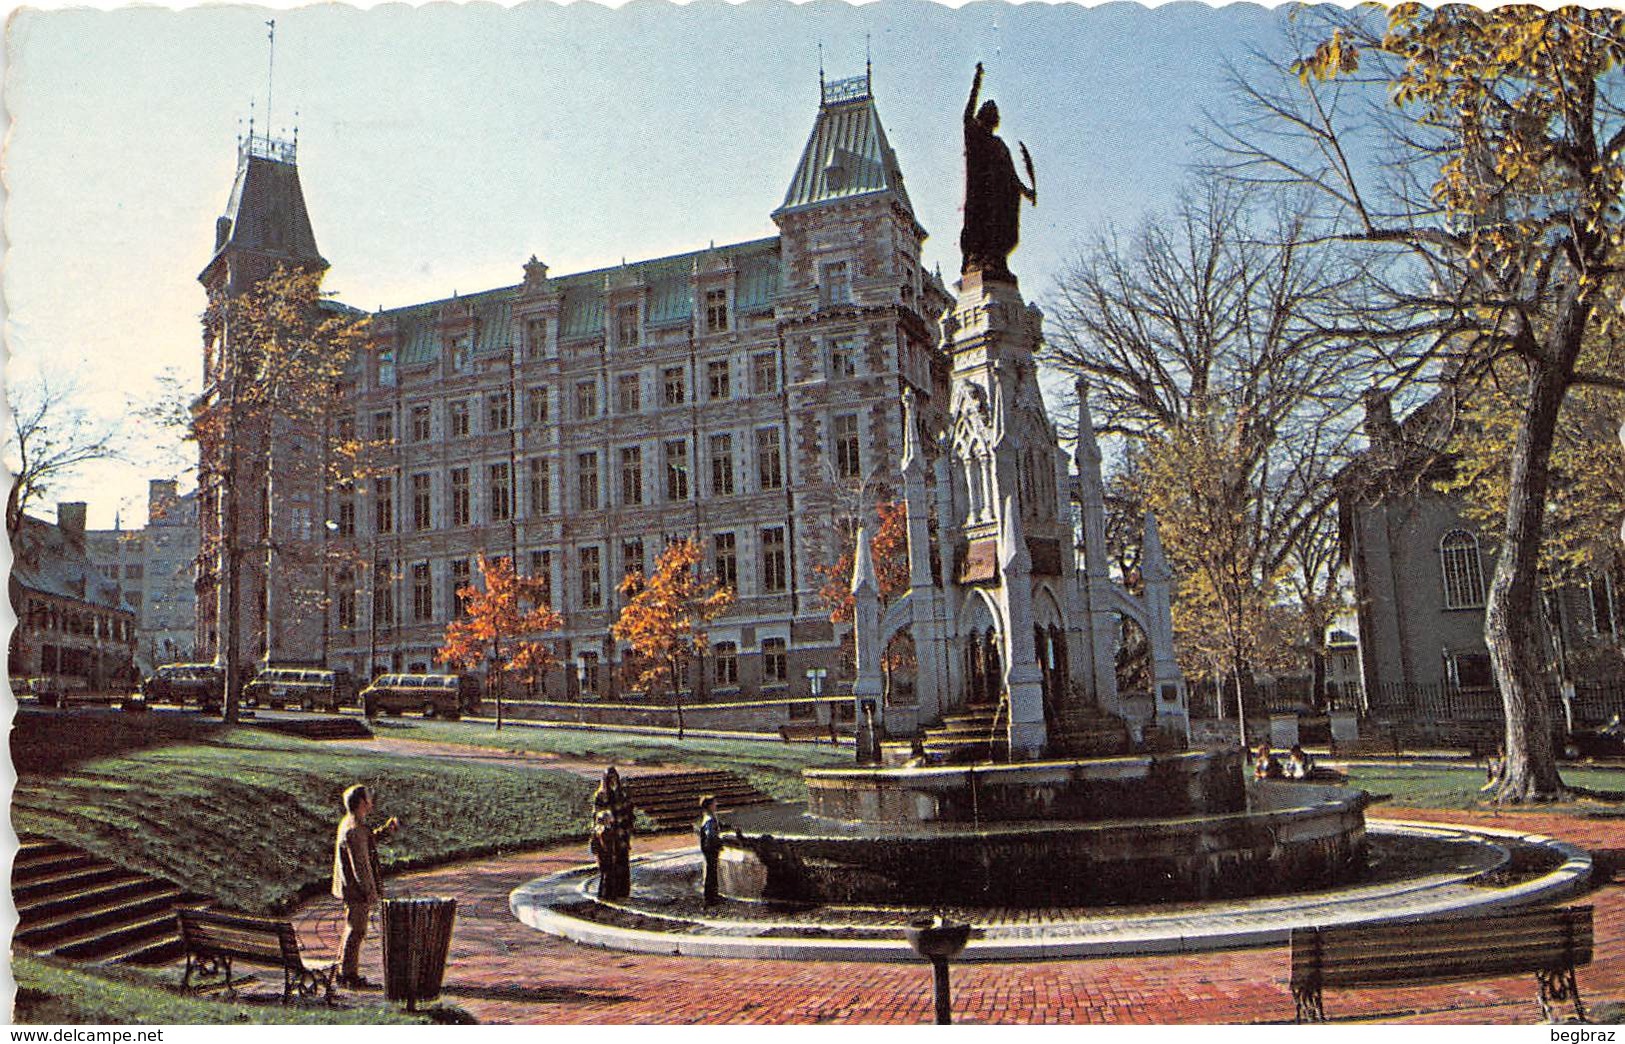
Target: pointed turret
<point>847,154</point>
<point>1087,454</point>
<point>913,458</point>
<point>863,565</point>
<point>1154,563</point>
<point>265,223</point>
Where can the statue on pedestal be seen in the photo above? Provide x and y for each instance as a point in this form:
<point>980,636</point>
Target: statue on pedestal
<point>993,192</point>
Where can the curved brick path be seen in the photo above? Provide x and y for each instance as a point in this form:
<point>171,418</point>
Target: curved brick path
<point>501,971</point>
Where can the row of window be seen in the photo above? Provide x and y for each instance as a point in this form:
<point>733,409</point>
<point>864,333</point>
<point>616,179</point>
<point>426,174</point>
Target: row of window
<point>45,616</point>
<point>834,288</point>
<point>674,461</point>
<point>674,391</point>
<point>772,578</point>
<point>724,665</point>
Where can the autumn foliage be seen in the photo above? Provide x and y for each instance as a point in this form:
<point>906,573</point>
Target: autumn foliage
<point>500,625</point>
<point>667,612</point>
<point>889,548</point>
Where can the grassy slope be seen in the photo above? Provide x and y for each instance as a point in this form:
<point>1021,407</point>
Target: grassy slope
<point>248,817</point>
<point>50,994</point>
<point>773,766</point>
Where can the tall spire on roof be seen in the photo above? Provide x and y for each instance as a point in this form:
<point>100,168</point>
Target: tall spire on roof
<point>265,222</point>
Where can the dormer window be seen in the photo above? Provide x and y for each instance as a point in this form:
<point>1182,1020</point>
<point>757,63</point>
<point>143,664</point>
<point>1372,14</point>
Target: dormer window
<point>626,322</point>
<point>386,369</point>
<point>462,355</point>
<point>716,311</point>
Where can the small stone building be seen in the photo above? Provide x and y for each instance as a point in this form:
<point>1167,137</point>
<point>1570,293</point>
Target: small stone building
<point>72,626</point>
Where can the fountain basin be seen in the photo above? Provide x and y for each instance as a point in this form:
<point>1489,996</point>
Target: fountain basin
<point>1081,789</point>
<point>1286,837</point>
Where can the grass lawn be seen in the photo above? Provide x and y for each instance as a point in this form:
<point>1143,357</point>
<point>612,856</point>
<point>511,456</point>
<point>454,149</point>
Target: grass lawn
<point>40,742</point>
<point>1430,785</point>
<point>49,993</point>
<point>773,766</point>
<point>247,817</point>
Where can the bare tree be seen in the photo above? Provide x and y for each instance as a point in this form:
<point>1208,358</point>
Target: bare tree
<point>51,438</point>
<point>1494,210</point>
<point>1207,342</point>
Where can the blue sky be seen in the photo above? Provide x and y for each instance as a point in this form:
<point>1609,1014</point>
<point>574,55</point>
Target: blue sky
<point>439,147</point>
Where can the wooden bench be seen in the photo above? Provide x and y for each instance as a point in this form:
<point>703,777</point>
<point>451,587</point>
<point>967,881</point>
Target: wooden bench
<point>1550,942</point>
<point>214,940</point>
<point>806,730</point>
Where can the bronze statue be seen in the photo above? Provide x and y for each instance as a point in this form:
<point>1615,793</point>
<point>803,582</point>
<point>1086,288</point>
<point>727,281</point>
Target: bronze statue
<point>993,192</point>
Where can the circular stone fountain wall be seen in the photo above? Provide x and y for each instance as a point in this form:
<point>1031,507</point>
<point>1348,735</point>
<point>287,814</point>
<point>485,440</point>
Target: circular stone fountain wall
<point>1093,831</point>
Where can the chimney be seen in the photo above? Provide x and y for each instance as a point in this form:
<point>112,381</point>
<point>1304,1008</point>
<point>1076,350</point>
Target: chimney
<point>70,518</point>
<point>161,502</point>
<point>1380,430</point>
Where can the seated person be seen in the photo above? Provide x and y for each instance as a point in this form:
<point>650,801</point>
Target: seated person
<point>1265,764</point>
<point>1493,769</point>
<point>1298,763</point>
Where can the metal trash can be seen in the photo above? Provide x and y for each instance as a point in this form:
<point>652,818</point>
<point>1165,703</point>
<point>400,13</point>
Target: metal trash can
<point>417,937</point>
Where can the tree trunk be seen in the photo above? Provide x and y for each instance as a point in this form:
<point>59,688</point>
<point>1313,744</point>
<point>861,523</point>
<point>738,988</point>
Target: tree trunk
<point>1511,617</point>
<point>677,697</point>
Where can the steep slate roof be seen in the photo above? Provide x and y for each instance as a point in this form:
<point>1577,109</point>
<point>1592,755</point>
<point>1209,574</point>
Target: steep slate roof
<point>49,562</point>
<point>847,154</point>
<point>267,209</point>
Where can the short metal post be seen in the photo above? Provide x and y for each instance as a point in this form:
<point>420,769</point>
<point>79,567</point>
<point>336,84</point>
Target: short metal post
<point>945,1007</point>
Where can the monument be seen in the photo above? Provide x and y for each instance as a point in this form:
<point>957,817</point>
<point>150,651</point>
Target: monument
<point>1040,782</point>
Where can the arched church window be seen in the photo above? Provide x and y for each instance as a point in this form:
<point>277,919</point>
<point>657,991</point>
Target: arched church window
<point>1463,570</point>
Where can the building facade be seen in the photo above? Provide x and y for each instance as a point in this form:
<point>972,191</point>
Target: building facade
<point>745,395</point>
<point>72,625</point>
<point>1421,572</point>
<point>155,568</point>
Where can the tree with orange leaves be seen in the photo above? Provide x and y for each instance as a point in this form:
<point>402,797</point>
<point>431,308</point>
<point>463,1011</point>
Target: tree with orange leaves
<point>499,624</point>
<point>889,547</point>
<point>666,614</point>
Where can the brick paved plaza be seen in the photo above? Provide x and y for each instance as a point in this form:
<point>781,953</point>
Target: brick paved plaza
<point>500,971</point>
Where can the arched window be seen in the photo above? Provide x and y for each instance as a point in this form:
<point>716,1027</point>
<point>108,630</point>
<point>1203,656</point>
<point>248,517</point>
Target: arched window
<point>1463,571</point>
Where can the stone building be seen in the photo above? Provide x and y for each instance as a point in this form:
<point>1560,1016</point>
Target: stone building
<point>747,395</point>
<point>72,626</point>
<point>1421,572</point>
<point>155,568</point>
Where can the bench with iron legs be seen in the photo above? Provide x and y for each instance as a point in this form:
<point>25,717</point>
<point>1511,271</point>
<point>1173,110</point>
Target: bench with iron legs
<point>214,940</point>
<point>1550,942</point>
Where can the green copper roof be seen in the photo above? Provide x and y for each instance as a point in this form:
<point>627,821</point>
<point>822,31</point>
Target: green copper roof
<point>847,154</point>
<point>670,298</point>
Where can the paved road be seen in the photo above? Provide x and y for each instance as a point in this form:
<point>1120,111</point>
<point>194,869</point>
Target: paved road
<point>502,972</point>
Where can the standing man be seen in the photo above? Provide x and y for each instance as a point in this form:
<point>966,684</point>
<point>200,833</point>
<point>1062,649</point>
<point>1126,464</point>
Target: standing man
<point>357,878</point>
<point>710,831</point>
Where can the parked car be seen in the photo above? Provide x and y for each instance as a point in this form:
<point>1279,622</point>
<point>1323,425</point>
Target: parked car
<point>201,683</point>
<point>306,687</point>
<point>436,695</point>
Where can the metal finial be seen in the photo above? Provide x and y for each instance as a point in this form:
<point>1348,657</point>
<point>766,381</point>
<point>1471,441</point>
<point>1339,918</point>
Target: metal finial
<point>820,71</point>
<point>270,76</point>
<point>868,66</point>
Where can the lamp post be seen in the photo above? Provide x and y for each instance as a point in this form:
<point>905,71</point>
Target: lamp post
<point>936,939</point>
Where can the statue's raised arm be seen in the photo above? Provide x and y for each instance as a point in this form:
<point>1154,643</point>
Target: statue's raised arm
<point>993,191</point>
<point>975,92</point>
